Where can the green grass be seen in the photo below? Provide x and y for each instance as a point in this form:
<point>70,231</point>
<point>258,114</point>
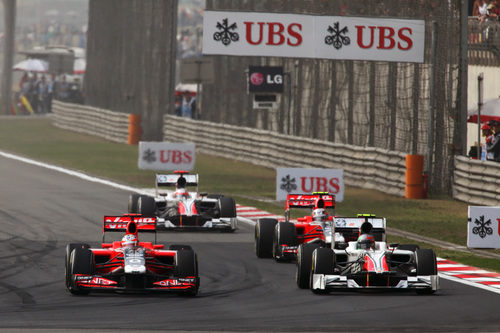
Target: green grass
<point>439,218</point>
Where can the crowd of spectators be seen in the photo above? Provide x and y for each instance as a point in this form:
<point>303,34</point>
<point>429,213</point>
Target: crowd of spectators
<point>36,92</point>
<point>486,10</point>
<point>50,33</point>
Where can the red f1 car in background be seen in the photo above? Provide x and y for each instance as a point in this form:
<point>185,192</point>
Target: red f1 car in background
<point>280,240</point>
<point>182,209</point>
<point>130,265</point>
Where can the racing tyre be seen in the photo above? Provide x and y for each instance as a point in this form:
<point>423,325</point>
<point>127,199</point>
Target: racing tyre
<point>146,206</point>
<point>426,265</point>
<point>178,247</point>
<point>264,231</point>
<point>408,247</point>
<point>284,234</point>
<point>304,264</point>
<point>187,266</point>
<point>227,207</point>
<point>132,203</point>
<point>81,262</point>
<point>67,265</point>
<point>323,262</point>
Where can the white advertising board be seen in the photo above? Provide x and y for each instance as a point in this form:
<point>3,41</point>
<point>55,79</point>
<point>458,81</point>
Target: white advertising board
<point>308,36</point>
<point>483,227</point>
<point>166,156</point>
<point>302,181</point>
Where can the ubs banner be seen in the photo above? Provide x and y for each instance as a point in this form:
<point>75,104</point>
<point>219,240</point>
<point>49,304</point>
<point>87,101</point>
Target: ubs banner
<point>483,229</point>
<point>302,181</point>
<point>166,156</point>
<point>308,36</point>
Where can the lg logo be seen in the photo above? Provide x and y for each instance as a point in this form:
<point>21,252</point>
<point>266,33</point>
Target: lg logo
<point>258,78</point>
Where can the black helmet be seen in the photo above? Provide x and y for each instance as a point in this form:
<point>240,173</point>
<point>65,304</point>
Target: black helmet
<point>365,242</point>
<point>181,182</point>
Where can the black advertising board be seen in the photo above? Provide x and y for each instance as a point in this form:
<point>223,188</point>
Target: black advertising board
<point>265,79</point>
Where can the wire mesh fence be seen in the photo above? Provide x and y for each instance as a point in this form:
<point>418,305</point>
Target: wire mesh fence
<point>366,103</point>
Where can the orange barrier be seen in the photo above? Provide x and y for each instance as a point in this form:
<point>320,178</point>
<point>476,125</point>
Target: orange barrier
<point>414,188</point>
<point>134,129</point>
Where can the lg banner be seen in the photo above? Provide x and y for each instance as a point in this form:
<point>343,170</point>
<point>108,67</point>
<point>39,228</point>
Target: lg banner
<point>307,36</point>
<point>483,229</point>
<point>166,156</point>
<point>300,181</point>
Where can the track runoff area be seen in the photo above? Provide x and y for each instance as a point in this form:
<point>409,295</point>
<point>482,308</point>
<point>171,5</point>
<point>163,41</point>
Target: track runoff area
<point>448,269</point>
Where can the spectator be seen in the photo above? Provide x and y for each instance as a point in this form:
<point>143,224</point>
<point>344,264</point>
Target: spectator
<point>63,89</point>
<point>33,93</point>
<point>51,88</point>
<point>494,148</point>
<point>188,105</point>
<point>483,10</point>
<point>488,136</point>
<point>475,8</point>
<point>493,11</point>
<point>43,94</point>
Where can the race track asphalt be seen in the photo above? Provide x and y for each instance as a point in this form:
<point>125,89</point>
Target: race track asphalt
<point>42,210</point>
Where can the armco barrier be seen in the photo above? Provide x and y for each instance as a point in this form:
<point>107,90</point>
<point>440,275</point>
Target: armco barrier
<point>476,182</point>
<point>107,124</point>
<point>364,167</point>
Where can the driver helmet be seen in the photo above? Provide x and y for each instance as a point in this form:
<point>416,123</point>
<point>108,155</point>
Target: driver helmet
<point>365,242</point>
<point>320,215</point>
<point>129,241</point>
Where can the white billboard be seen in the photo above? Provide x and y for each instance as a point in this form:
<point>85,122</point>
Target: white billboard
<point>166,156</point>
<point>308,36</point>
<point>483,227</point>
<point>304,181</point>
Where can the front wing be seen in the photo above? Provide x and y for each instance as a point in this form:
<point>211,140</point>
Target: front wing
<point>374,281</point>
<point>99,282</point>
<point>196,222</point>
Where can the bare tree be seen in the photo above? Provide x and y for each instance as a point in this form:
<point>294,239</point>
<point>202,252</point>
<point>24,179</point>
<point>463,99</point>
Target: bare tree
<point>8,62</point>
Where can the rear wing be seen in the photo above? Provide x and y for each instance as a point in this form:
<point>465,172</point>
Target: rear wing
<point>120,223</point>
<point>323,200</point>
<point>350,227</point>
<point>171,180</point>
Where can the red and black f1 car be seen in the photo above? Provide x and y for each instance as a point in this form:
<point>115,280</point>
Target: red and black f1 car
<point>130,265</point>
<point>281,240</point>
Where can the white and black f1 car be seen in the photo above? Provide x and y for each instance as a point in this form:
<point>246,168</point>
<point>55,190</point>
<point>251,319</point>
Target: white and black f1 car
<point>181,209</point>
<point>366,263</point>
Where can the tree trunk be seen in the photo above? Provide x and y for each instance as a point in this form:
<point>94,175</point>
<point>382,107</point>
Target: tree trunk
<point>8,62</point>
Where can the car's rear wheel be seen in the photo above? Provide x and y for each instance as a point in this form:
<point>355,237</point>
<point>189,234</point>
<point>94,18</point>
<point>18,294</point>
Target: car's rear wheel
<point>146,206</point>
<point>323,262</point>
<point>227,207</point>
<point>284,234</point>
<point>186,266</point>
<point>426,265</point>
<point>264,231</point>
<point>133,200</point>
<point>67,265</point>
<point>304,263</point>
<point>82,262</point>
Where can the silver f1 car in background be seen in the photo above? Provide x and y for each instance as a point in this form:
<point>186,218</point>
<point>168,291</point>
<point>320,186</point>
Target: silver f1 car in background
<point>180,209</point>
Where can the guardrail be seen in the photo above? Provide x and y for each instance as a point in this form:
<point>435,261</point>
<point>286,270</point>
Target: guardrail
<point>476,182</point>
<point>107,124</point>
<point>372,168</point>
